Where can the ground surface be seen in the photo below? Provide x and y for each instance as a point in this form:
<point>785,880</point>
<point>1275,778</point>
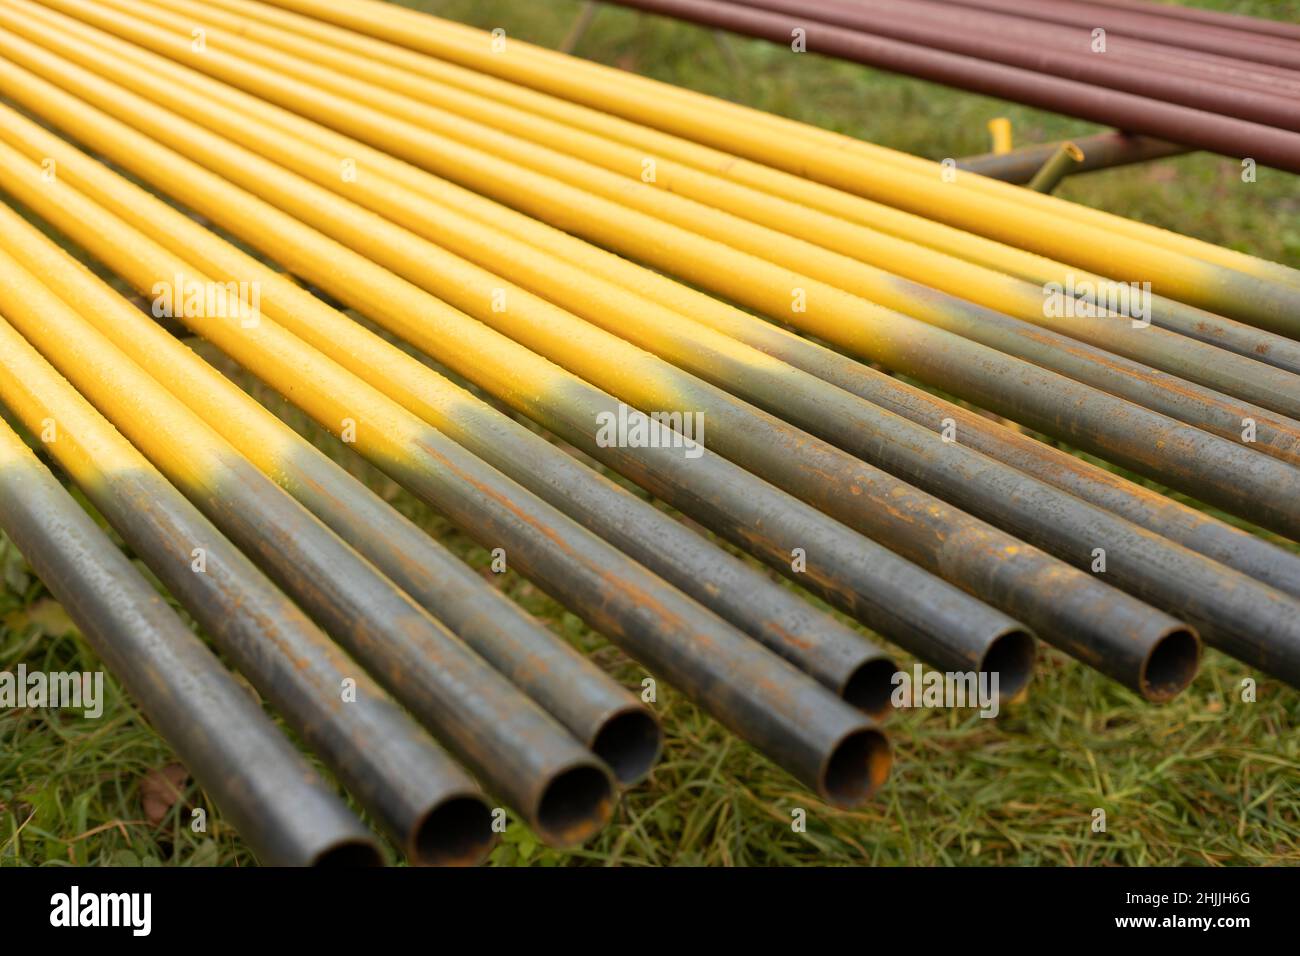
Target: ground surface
<point>1208,779</point>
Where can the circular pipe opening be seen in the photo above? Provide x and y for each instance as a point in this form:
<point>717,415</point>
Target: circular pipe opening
<point>856,768</point>
<point>870,687</point>
<point>1171,665</point>
<point>351,853</point>
<point>1011,657</point>
<point>629,743</point>
<point>457,832</point>
<point>575,805</point>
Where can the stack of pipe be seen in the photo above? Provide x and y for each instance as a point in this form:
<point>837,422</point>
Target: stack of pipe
<point>1230,86</point>
<point>489,207</point>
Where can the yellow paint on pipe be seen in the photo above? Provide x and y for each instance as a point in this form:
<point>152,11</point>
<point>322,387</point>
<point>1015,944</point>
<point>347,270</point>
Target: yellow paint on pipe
<point>805,150</point>
<point>393,67</point>
<point>506,368</point>
<point>982,286</point>
<point>562,143</point>
<point>582,349</point>
<point>652,143</point>
<point>85,445</point>
<point>530,320</point>
<point>834,269</point>
<point>250,428</point>
<point>175,440</point>
<point>1000,135</point>
<point>328,393</point>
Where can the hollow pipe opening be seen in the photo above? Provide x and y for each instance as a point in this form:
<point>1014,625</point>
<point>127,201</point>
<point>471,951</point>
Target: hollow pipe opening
<point>457,832</point>
<point>870,687</point>
<point>629,744</point>
<point>349,853</point>
<point>856,768</point>
<point>1171,665</point>
<point>1011,657</point>
<point>575,805</point>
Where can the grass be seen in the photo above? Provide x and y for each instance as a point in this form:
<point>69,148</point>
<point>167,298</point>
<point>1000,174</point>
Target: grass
<point>1208,779</point>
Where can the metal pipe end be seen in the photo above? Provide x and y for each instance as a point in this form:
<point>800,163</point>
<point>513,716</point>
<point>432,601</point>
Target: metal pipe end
<point>1011,656</point>
<point>457,832</point>
<point>629,742</point>
<point>356,852</point>
<point>1170,665</point>
<point>575,805</point>
<point>870,687</point>
<point>856,768</point>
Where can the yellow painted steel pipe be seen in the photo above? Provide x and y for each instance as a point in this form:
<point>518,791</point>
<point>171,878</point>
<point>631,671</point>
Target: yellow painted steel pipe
<point>806,150</point>
<point>858,576</point>
<point>394,67</point>
<point>1274,434</point>
<point>510,742</point>
<point>893,338</point>
<point>1189,527</point>
<point>261,173</point>
<point>837,656</point>
<point>383,758</point>
<point>602,714</point>
<point>828,744</point>
<point>427,105</point>
<point>592,353</point>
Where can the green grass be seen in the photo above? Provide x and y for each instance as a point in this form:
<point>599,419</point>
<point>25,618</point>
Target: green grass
<point>1208,779</point>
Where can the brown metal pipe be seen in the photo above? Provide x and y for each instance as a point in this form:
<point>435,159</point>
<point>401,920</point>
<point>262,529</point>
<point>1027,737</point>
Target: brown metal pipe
<point>1220,134</point>
<point>1135,54</point>
<point>899,21</point>
<point>1236,21</point>
<point>1278,51</point>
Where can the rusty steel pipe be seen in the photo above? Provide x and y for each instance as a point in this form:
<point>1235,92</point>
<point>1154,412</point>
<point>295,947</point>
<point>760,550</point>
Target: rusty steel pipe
<point>1193,529</point>
<point>927,615</point>
<point>838,657</point>
<point>1197,473</point>
<point>422,799</point>
<point>604,716</point>
<point>904,289</point>
<point>827,744</point>
<point>1099,619</point>
<point>401,69</point>
<point>509,741</point>
<point>279,805</point>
